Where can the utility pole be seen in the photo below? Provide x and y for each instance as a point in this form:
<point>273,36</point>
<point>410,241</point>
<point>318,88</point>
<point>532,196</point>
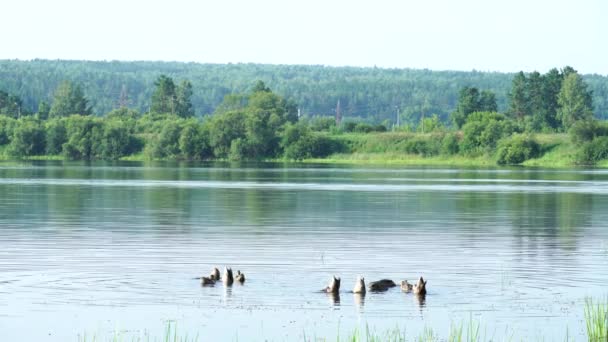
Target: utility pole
<point>299,113</point>
<point>422,118</point>
<point>398,121</point>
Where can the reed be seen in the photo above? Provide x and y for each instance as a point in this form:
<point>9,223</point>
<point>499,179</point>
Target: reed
<point>596,319</point>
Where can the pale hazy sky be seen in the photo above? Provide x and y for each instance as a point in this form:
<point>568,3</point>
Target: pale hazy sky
<point>436,34</point>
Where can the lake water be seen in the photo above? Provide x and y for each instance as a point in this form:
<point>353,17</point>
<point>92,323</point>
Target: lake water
<point>114,247</point>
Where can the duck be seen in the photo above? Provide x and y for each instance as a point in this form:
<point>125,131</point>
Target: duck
<point>420,287</point>
<point>228,278</point>
<point>215,274</point>
<point>381,285</point>
<point>333,287</point>
<point>359,285</point>
<point>405,286</point>
<point>207,281</point>
<point>240,277</point>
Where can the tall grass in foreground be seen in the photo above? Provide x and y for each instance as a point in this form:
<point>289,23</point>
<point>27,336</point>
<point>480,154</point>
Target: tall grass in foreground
<point>595,312</point>
<point>170,335</point>
<point>596,320</point>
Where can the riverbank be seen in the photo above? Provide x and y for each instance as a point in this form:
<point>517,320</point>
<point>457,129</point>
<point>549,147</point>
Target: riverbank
<point>394,148</point>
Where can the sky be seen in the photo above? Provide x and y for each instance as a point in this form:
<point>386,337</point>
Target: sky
<point>484,35</point>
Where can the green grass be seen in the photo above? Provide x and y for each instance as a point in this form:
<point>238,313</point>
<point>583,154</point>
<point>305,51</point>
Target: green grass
<point>170,335</point>
<point>596,320</point>
<point>393,158</point>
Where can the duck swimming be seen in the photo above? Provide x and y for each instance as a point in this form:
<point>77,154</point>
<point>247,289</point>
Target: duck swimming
<point>215,274</point>
<point>359,285</point>
<point>420,287</point>
<point>381,285</point>
<point>333,287</point>
<point>228,278</point>
<point>207,281</point>
<point>405,286</point>
<point>240,277</point>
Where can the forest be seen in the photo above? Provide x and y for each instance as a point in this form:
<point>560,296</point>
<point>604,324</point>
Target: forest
<point>538,115</point>
<point>368,94</point>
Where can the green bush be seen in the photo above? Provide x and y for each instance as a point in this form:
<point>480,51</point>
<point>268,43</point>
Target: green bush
<point>363,128</point>
<point>7,125</point>
<point>423,146</point>
<point>593,151</point>
<point>322,124</point>
<point>27,140</point>
<point>483,130</point>
<point>517,149</point>
<point>586,130</point>
<point>298,143</point>
<point>56,135</point>
<point>449,144</point>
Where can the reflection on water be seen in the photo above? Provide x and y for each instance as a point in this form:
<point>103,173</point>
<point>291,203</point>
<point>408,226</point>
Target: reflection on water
<point>103,246</point>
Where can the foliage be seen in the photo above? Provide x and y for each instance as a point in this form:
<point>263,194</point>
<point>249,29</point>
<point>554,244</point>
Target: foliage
<point>470,100</point>
<point>56,135</point>
<point>450,144</point>
<point>575,101</point>
<point>10,105</point>
<point>27,139</point>
<point>432,124</point>
<point>596,319</point>
<point>483,130</point>
<point>69,99</point>
<point>517,149</point>
<point>593,151</point>
<point>7,125</point>
<point>587,130</point>
<point>169,98</point>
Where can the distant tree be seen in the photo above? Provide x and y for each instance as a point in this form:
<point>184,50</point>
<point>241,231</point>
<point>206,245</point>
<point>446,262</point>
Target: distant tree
<point>10,105</point>
<point>68,100</point>
<point>163,97</point>
<point>183,101</point>
<point>575,100</point>
<point>552,84</point>
<point>487,102</point>
<point>56,136</point>
<point>43,110</point>
<point>470,100</point>
<point>260,87</point>
<point>28,139</point>
<point>520,105</point>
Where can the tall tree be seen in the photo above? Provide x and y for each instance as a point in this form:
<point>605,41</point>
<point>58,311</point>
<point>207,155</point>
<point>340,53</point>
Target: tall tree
<point>552,84</point>
<point>487,102</point>
<point>163,97</point>
<point>574,100</point>
<point>10,105</point>
<point>183,105</point>
<point>468,102</point>
<point>520,105</point>
<point>68,100</point>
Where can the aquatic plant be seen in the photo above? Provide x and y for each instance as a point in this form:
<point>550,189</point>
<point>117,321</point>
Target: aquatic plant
<point>170,335</point>
<point>596,319</point>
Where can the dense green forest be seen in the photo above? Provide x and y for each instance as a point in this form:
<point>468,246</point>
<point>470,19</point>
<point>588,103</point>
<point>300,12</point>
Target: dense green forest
<point>259,125</point>
<point>374,95</point>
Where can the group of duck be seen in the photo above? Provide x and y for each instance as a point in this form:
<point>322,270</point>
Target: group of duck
<point>419,288</point>
<point>228,279</point>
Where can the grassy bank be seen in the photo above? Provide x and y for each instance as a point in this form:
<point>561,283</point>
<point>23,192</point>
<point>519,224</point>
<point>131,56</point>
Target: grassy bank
<point>403,148</point>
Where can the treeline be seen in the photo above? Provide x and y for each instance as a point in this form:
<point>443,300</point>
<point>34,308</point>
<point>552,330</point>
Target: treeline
<point>257,125</point>
<point>261,124</point>
<point>368,94</point>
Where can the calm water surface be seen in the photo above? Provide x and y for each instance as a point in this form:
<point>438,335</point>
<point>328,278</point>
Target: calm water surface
<point>104,247</point>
